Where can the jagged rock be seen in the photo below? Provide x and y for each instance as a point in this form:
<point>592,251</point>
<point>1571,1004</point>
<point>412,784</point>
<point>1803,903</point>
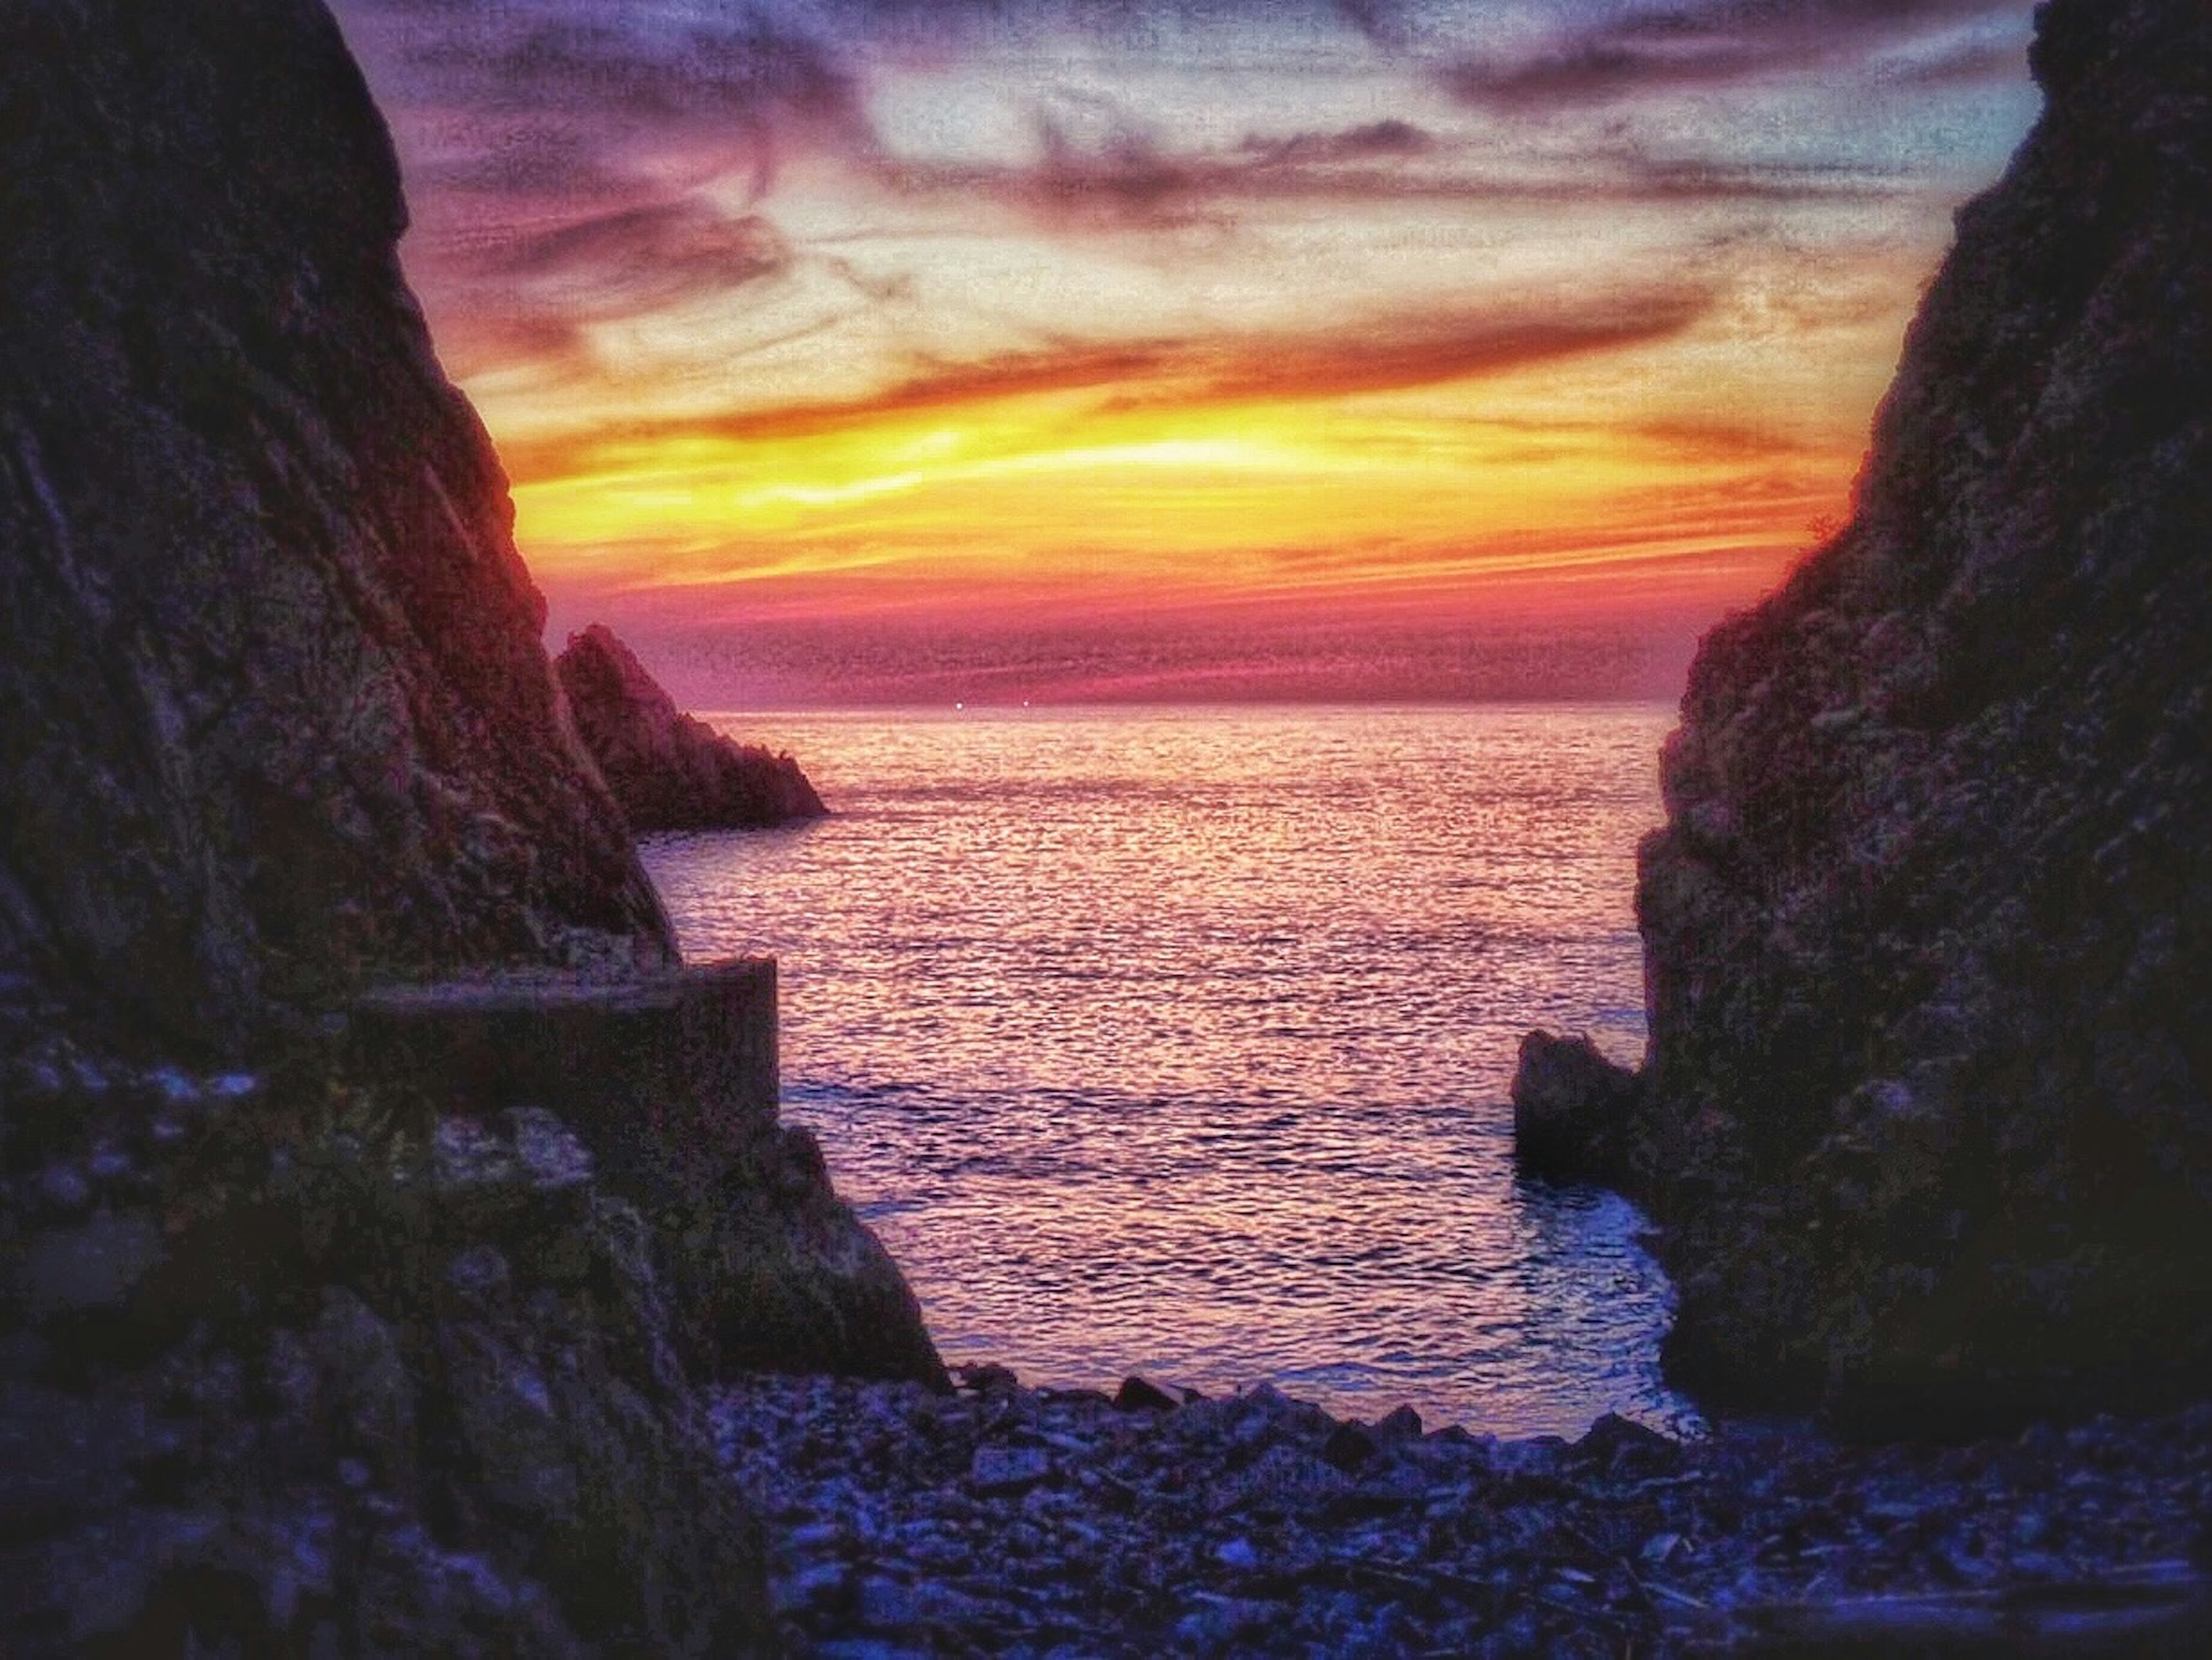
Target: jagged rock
<point>311,1358</point>
<point>1348,1447</point>
<point>361,1379</point>
<point>1136,1395</point>
<point>669,771</point>
<point>1573,1110</point>
<point>1399,1424</point>
<point>1620,1444</point>
<point>92,1266</point>
<point>1926,928</point>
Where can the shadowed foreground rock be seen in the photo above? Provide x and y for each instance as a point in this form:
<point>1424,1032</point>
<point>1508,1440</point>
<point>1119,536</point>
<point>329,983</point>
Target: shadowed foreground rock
<point>293,1366</point>
<point>305,1350</point>
<point>1003,1520</point>
<point>669,771</point>
<point>1929,930</point>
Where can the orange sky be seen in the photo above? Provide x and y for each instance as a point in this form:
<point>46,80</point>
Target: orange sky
<point>844,351</point>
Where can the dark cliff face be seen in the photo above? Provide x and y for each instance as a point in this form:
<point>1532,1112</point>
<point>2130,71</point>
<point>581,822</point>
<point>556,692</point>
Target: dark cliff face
<point>668,770</point>
<point>275,719</point>
<point>292,1362</point>
<point>1926,930</point>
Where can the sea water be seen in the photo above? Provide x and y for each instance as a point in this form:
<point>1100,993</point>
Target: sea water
<point>1178,1041</point>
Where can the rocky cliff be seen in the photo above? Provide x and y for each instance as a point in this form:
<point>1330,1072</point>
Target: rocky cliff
<point>334,1322</point>
<point>669,771</point>
<point>265,644</point>
<point>1928,1107</point>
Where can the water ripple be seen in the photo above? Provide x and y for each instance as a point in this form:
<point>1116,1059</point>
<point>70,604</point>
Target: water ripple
<point>1179,1041</point>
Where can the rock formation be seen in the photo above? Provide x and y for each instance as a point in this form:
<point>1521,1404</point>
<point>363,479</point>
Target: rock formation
<point>1928,1110</point>
<point>265,644</point>
<point>670,1082</point>
<point>299,1366</point>
<point>669,771</point>
<point>315,1337</point>
<point>1571,1108</point>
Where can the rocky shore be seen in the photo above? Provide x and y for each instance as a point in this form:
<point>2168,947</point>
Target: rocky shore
<point>390,1229</point>
<point>1002,1520</point>
<point>377,1190</point>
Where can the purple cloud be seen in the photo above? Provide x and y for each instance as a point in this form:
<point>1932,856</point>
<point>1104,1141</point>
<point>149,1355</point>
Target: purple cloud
<point>1711,43</point>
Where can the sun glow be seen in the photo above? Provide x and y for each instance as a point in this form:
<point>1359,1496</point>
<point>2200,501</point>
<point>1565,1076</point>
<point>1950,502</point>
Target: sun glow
<point>903,324</point>
<point>1375,495</point>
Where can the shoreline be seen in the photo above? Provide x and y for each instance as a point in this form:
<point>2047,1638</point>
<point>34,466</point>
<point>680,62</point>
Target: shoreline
<point>1006,1520</point>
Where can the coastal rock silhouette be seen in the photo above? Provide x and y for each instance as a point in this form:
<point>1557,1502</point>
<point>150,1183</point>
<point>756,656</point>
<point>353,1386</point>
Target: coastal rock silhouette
<point>300,1351</point>
<point>275,718</point>
<point>669,771</point>
<point>1928,1103</point>
<point>1571,1106</point>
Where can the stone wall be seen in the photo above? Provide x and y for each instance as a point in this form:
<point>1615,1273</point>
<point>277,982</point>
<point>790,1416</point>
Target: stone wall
<point>670,1081</point>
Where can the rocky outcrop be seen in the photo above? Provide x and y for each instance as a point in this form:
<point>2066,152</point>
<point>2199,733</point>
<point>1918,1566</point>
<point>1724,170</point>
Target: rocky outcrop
<point>305,1348</point>
<point>297,1367</point>
<point>1927,931</point>
<point>1571,1110</point>
<point>670,1082</point>
<point>266,648</point>
<point>669,771</point>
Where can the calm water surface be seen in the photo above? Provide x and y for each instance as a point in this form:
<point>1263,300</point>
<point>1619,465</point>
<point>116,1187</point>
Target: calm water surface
<point>1178,1041</point>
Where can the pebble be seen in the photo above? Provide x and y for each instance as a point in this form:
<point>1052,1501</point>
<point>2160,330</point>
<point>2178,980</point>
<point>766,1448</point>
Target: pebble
<point>1138,1395</point>
<point>62,1191</point>
<point>1003,1520</point>
<point>111,1163</point>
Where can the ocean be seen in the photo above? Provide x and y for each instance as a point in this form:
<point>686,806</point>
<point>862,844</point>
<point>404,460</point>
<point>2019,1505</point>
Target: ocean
<point>1178,1041</point>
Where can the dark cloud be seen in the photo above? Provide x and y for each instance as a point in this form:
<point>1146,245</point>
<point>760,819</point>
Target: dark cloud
<point>1372,360</point>
<point>566,97</point>
<point>1132,183</point>
<point>1375,19</point>
<point>529,158</point>
<point>1710,43</point>
<point>1362,144</point>
<point>530,292</point>
<point>1969,62</point>
<point>661,247</point>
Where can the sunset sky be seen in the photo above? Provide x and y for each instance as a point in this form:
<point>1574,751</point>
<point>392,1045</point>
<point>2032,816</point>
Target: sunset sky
<point>909,351</point>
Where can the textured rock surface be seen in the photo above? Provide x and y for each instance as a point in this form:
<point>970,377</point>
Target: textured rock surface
<point>669,771</point>
<point>265,640</point>
<point>292,1368</point>
<point>1926,928</point>
<point>1006,1521</point>
<point>671,1082</point>
<point>312,1359</point>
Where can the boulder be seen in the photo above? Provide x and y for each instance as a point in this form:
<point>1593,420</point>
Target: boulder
<point>1928,928</point>
<point>1137,1394</point>
<point>1573,1110</point>
<point>670,770</point>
